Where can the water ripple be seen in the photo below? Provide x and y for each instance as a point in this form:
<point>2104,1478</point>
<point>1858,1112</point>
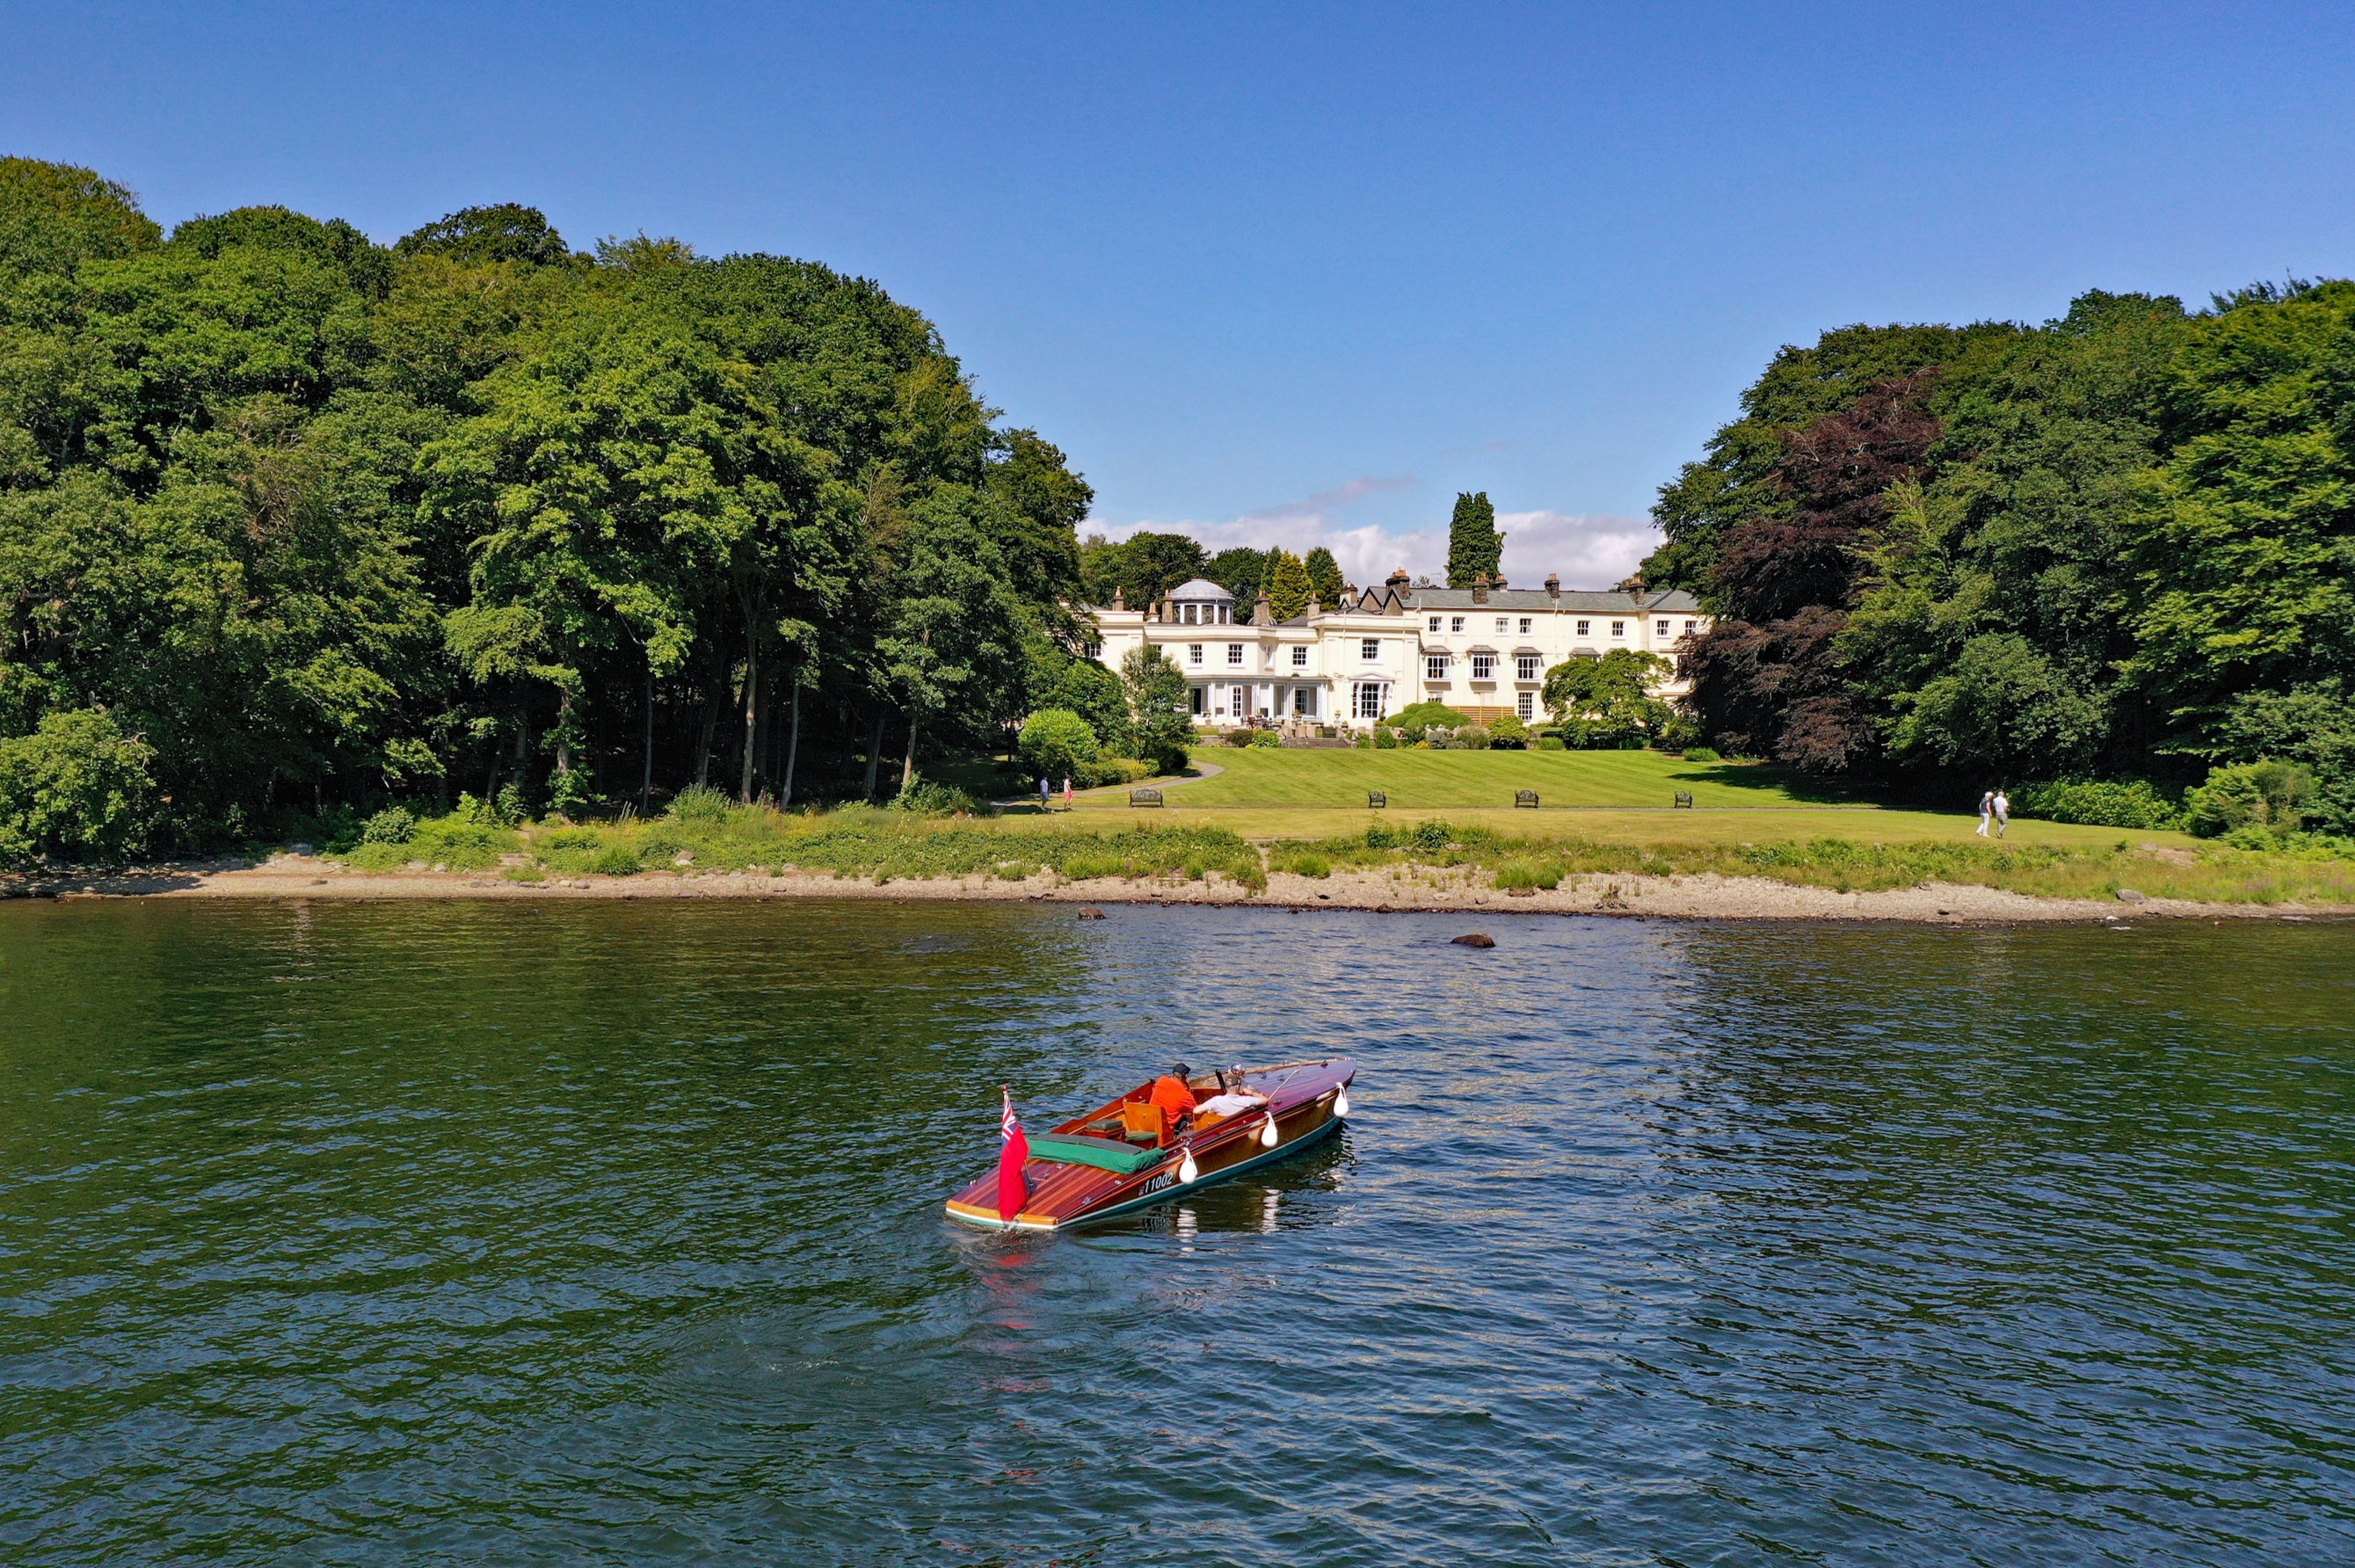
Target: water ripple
<point>483,1232</point>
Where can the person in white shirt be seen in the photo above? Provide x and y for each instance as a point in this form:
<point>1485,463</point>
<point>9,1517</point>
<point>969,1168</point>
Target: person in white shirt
<point>2002,811</point>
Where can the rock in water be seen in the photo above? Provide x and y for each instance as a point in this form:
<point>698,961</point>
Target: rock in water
<point>1476,939</point>
<point>1090,912</point>
<point>2127,895</point>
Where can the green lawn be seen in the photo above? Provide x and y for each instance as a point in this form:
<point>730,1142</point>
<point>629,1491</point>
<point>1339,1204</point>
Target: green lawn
<point>1459,781</point>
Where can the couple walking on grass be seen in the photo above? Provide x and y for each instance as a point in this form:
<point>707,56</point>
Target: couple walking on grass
<point>1994,807</point>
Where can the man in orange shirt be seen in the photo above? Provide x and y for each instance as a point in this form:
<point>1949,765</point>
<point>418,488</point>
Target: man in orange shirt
<point>1171,1093</point>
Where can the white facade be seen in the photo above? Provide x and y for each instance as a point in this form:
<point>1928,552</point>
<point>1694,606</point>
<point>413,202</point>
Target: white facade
<point>1483,651</point>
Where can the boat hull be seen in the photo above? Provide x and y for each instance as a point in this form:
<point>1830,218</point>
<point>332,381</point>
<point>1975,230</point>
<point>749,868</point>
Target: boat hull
<point>1307,1100</point>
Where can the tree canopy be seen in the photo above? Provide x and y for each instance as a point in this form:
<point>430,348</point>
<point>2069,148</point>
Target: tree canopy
<point>1475,548</point>
<point>307,520</point>
<point>2116,544</point>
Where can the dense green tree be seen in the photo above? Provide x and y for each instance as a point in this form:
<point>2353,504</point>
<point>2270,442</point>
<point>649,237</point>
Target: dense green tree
<point>1243,572</point>
<point>475,236</point>
<point>1160,707</point>
<point>1141,568</point>
<point>1608,701</point>
<point>1324,577</point>
<point>2245,555</point>
<point>1287,584</point>
<point>1475,548</point>
<point>54,217</point>
<point>75,788</point>
<point>1057,744</point>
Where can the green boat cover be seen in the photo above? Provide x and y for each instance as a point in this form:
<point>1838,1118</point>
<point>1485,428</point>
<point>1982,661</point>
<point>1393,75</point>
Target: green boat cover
<point>1071,1148</point>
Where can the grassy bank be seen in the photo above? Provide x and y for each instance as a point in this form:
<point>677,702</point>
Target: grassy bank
<point>856,841</point>
<point>2211,873</point>
<point>2042,859</point>
<point>1455,781</point>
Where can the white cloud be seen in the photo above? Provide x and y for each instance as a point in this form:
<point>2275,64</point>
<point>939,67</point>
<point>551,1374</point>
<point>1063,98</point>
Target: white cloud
<point>1589,550</point>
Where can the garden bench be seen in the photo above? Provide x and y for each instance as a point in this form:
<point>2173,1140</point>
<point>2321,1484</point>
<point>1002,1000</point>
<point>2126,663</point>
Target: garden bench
<point>1375,800</point>
<point>1144,797</point>
<point>1684,801</point>
<point>1528,797</point>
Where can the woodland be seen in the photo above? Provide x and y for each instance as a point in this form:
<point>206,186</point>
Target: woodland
<point>2098,560</point>
<point>293,523</point>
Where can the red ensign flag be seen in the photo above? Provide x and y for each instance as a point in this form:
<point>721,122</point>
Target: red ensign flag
<point>1011,1189</point>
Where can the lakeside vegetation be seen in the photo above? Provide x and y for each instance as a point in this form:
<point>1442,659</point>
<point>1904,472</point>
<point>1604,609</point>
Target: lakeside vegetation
<point>705,833</point>
<point>294,524</point>
<point>2099,560</point>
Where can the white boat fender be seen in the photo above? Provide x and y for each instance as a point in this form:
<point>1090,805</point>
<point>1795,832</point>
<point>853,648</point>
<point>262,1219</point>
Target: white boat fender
<point>1341,1103</point>
<point>1267,1132</point>
<point>1188,1171</point>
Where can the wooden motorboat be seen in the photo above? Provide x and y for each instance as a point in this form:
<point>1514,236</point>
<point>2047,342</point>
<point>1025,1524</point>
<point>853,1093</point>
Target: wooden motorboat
<point>1119,1158</point>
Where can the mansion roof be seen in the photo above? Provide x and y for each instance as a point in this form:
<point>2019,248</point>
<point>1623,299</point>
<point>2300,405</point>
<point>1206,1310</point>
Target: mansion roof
<point>1595,600</point>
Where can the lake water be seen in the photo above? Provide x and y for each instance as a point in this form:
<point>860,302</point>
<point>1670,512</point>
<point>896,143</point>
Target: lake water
<point>611,1234</point>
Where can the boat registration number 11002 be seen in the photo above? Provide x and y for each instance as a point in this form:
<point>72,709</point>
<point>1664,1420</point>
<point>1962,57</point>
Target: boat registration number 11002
<point>1157,1184</point>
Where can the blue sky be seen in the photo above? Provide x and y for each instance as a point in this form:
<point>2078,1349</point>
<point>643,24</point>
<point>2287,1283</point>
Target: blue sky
<point>1293,273</point>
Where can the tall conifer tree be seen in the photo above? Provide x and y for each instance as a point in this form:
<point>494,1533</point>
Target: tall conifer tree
<point>1474,545</point>
<point>1325,577</point>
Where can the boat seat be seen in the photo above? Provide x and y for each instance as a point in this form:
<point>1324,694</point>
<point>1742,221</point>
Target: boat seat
<point>1140,1120</point>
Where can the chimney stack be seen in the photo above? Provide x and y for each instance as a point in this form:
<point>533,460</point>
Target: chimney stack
<point>1480,589</point>
<point>1397,579</point>
<point>1554,587</point>
<point>1117,602</point>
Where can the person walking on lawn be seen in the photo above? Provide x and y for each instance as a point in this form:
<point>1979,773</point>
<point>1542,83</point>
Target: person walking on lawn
<point>1987,812</point>
<point>1067,791</point>
<point>1046,793</point>
<point>2002,803</point>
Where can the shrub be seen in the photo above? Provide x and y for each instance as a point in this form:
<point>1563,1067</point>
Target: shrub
<point>460,845</point>
<point>1265,737</point>
<point>1528,874</point>
<point>1509,734</point>
<point>1300,861</point>
<point>1551,743</point>
<point>2100,803</point>
<point>2264,795</point>
<point>1057,743</point>
<point>1471,737</point>
<point>926,798</point>
<point>615,860</point>
<point>78,787</point>
<point>1418,716</point>
<point>393,824</point>
<point>1238,739</point>
<point>1386,739</point>
<point>1113,770</point>
<point>569,794</point>
<point>1701,754</point>
<point>1366,742</point>
<point>699,804</point>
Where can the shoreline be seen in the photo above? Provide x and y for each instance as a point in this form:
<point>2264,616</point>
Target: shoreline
<point>1699,896</point>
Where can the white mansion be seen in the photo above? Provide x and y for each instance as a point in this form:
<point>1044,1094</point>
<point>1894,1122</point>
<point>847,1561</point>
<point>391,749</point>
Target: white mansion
<point>1483,650</point>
